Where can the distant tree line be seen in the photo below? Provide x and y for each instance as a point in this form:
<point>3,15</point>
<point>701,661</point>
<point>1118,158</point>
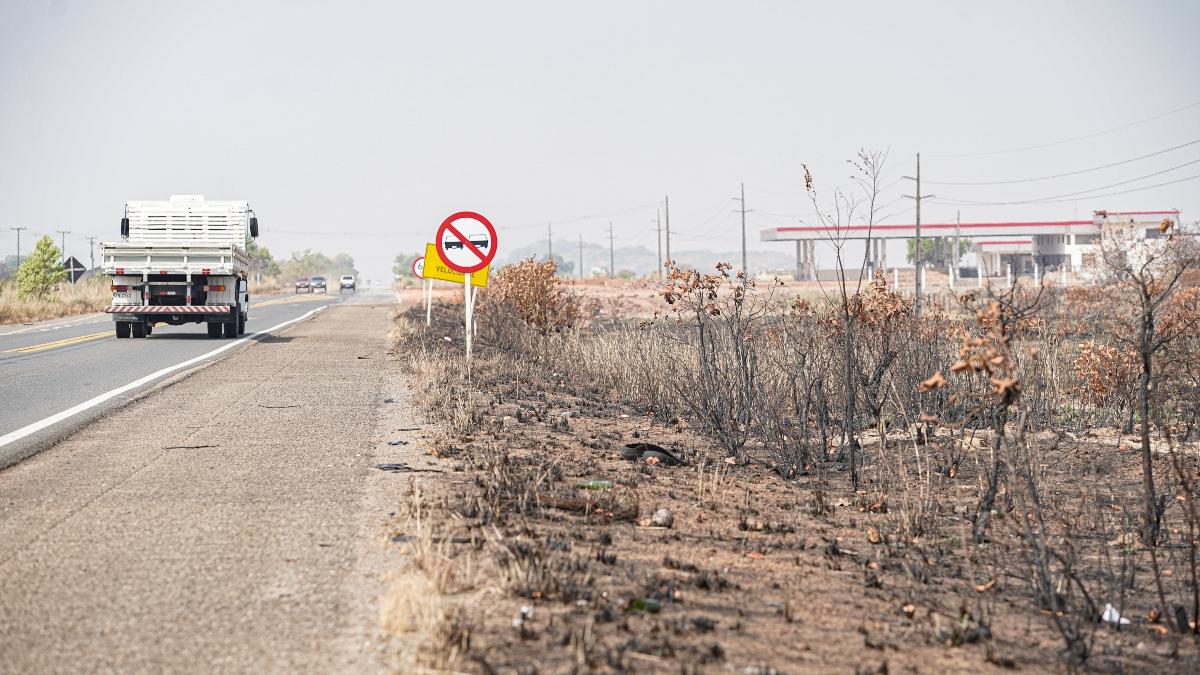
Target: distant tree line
<point>301,264</point>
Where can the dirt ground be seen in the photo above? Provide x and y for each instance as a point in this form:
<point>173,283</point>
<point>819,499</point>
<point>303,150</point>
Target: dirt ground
<point>542,570</point>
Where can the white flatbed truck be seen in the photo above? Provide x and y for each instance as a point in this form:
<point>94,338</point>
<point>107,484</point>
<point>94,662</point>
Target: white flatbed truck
<point>181,260</point>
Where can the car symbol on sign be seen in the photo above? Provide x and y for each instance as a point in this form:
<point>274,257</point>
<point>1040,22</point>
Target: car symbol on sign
<point>479,243</point>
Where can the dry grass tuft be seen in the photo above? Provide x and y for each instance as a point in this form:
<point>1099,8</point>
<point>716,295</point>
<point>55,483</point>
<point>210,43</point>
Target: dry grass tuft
<point>89,295</point>
<point>430,604</point>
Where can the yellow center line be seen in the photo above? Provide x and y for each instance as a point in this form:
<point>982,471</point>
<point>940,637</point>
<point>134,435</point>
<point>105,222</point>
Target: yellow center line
<point>58,343</point>
<point>66,342</point>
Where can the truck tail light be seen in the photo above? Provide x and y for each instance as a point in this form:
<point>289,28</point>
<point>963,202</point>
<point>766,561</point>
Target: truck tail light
<point>120,289</point>
<point>206,270</point>
<point>120,270</point>
<point>218,288</point>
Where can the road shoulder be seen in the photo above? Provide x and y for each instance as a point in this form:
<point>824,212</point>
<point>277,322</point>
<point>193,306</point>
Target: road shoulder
<point>240,509</point>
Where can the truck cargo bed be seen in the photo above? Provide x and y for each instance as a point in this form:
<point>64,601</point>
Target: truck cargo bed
<point>173,258</point>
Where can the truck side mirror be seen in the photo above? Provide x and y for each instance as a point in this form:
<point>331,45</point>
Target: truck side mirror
<point>125,227</point>
<point>254,227</point>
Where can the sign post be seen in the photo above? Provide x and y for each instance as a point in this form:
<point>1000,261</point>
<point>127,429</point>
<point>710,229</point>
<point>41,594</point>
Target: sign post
<point>469,314</point>
<point>466,243</point>
<point>418,270</point>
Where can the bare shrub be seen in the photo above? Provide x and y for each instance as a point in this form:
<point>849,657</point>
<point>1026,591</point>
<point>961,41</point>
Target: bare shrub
<point>1108,375</point>
<point>727,322</point>
<point>532,292</point>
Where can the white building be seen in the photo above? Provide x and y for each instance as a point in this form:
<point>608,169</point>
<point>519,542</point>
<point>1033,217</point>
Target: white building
<point>1044,245</point>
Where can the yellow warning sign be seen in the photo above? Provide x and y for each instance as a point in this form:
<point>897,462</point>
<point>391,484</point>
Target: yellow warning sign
<point>435,268</point>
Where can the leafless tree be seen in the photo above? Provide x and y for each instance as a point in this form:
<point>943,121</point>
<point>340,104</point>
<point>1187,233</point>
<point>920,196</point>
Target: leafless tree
<point>856,206</point>
<point>1148,273</point>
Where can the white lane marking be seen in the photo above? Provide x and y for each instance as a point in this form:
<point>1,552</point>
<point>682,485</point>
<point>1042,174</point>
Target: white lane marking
<point>36,327</point>
<point>97,400</point>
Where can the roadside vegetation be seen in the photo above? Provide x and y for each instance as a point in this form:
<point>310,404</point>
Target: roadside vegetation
<point>39,289</point>
<point>846,483</point>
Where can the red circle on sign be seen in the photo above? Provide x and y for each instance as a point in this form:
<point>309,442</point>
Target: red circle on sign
<point>447,226</point>
<point>414,267</point>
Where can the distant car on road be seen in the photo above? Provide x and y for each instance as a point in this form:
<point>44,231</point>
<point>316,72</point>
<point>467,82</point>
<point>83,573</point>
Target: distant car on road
<point>318,283</point>
<point>302,285</point>
<point>347,281</point>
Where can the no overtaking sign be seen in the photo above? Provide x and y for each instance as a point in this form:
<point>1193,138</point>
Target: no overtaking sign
<point>466,242</point>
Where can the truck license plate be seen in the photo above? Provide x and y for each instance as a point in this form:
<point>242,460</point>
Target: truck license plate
<point>120,295</point>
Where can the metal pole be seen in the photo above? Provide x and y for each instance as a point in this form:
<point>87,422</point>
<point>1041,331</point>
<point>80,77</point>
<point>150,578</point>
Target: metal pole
<point>469,319</point>
<point>745,269</point>
<point>612,272</point>
<point>549,243</point>
<point>918,271</point>
<point>427,291</point>
<point>91,252</point>
<point>658,230</point>
<point>667,214</point>
<point>18,231</point>
<point>917,254</point>
<point>63,252</point>
<point>580,256</point>
<point>957,251</point>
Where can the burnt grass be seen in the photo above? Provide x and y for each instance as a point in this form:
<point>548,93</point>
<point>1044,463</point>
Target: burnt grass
<point>757,574</point>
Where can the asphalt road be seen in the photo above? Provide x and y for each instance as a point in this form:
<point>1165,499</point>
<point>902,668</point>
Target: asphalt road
<point>51,367</point>
<point>229,522</point>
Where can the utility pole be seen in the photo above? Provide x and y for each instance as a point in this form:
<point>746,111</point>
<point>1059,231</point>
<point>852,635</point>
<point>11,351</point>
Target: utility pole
<point>580,255</point>
<point>745,269</point>
<point>18,231</point>
<point>957,255</point>
<point>64,234</point>
<point>658,230</point>
<point>91,252</point>
<point>917,286</point>
<point>667,208</point>
<point>549,243</point>
<point>611,258</point>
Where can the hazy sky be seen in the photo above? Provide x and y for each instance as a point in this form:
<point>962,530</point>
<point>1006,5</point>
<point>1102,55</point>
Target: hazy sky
<point>358,126</point>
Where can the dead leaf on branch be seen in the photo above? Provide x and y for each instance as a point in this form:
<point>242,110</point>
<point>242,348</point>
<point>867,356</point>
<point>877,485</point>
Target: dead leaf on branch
<point>937,381</point>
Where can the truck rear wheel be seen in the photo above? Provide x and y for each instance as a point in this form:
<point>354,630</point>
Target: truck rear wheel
<point>138,330</point>
<point>241,324</point>
<point>122,329</point>
<point>229,328</point>
<point>214,330</point>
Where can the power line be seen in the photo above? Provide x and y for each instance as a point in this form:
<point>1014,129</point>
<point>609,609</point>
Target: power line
<point>1067,140</point>
<point>592,216</point>
<point>1068,173</point>
<point>718,215</point>
<point>896,213</point>
<point>1083,193</point>
<point>1109,194</point>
